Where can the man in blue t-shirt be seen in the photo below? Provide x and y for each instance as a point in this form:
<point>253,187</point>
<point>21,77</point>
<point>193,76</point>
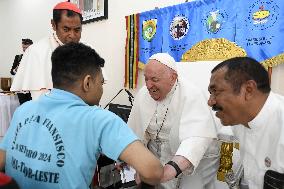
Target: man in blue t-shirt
<point>54,142</point>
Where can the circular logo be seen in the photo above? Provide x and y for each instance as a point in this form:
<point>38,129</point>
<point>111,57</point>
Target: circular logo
<point>179,27</point>
<point>262,14</point>
<point>214,21</point>
<point>149,29</point>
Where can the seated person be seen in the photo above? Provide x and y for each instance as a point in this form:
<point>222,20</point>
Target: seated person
<point>171,116</point>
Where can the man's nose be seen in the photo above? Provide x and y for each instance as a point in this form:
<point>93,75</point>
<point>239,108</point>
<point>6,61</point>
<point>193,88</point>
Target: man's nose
<point>211,101</point>
<point>149,84</point>
<point>72,34</point>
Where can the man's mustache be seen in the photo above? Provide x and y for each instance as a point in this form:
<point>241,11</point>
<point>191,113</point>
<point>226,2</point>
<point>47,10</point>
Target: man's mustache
<point>216,108</point>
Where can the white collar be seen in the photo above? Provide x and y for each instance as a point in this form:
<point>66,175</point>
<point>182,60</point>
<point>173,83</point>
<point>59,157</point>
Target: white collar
<point>57,40</point>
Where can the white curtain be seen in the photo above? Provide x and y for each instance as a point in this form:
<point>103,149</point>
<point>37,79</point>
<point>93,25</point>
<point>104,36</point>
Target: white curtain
<point>8,105</point>
<point>277,79</point>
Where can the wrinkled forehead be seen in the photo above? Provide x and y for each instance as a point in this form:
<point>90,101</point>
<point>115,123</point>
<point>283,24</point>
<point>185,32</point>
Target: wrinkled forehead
<point>217,78</point>
<point>68,19</point>
<point>219,73</point>
<point>155,67</point>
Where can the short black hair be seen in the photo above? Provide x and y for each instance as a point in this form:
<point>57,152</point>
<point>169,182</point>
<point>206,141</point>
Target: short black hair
<point>58,12</point>
<point>72,61</point>
<point>27,41</point>
<point>242,69</point>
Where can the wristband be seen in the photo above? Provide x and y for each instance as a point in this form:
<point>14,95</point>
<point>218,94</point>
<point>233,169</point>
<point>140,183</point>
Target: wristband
<point>174,165</point>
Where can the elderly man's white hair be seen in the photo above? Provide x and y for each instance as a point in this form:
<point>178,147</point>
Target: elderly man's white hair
<point>165,59</point>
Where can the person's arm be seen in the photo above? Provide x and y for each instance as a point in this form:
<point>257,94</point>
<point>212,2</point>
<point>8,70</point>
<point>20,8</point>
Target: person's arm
<point>170,172</point>
<point>2,159</point>
<point>188,156</point>
<point>196,132</point>
<point>143,161</point>
<point>15,65</point>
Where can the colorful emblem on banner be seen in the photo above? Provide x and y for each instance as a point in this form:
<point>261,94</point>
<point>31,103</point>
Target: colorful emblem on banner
<point>262,14</point>
<point>149,29</point>
<point>179,27</point>
<point>214,21</point>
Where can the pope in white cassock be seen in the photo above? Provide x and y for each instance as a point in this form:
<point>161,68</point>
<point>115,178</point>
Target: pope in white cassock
<point>34,72</point>
<point>172,118</point>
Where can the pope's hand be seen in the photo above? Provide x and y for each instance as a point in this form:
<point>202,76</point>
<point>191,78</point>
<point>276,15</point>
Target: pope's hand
<point>169,173</point>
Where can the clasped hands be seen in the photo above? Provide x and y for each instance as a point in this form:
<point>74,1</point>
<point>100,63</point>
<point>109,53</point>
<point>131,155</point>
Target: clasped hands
<point>169,174</point>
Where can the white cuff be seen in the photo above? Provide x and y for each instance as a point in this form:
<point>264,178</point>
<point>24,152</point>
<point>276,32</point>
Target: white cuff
<point>193,149</point>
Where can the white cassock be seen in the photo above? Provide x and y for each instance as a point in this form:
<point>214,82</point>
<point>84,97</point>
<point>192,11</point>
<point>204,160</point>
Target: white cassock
<point>34,72</point>
<point>188,130</point>
<point>262,145</point>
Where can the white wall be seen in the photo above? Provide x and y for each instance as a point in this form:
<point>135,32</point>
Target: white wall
<point>277,79</point>
<point>31,19</point>
<point>21,19</point>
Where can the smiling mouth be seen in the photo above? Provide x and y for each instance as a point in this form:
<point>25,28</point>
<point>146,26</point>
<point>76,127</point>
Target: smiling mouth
<point>154,94</point>
<point>153,90</point>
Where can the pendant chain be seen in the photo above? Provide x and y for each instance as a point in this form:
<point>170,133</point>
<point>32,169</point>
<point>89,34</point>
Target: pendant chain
<point>165,116</point>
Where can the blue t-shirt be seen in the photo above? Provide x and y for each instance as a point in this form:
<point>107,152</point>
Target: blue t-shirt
<point>54,142</point>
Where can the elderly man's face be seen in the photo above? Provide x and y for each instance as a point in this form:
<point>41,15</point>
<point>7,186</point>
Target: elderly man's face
<point>159,79</point>
<point>228,104</point>
<point>68,29</point>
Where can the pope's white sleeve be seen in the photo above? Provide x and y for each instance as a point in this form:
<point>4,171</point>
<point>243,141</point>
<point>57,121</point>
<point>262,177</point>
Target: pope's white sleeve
<point>193,149</point>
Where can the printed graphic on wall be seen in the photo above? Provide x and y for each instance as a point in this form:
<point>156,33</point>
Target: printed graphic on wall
<point>179,27</point>
<point>149,29</point>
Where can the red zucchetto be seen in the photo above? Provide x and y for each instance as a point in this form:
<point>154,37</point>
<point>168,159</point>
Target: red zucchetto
<point>67,6</point>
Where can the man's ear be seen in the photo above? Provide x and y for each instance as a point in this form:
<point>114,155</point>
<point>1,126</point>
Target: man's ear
<point>53,24</point>
<point>250,89</point>
<point>174,76</point>
<point>86,83</point>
